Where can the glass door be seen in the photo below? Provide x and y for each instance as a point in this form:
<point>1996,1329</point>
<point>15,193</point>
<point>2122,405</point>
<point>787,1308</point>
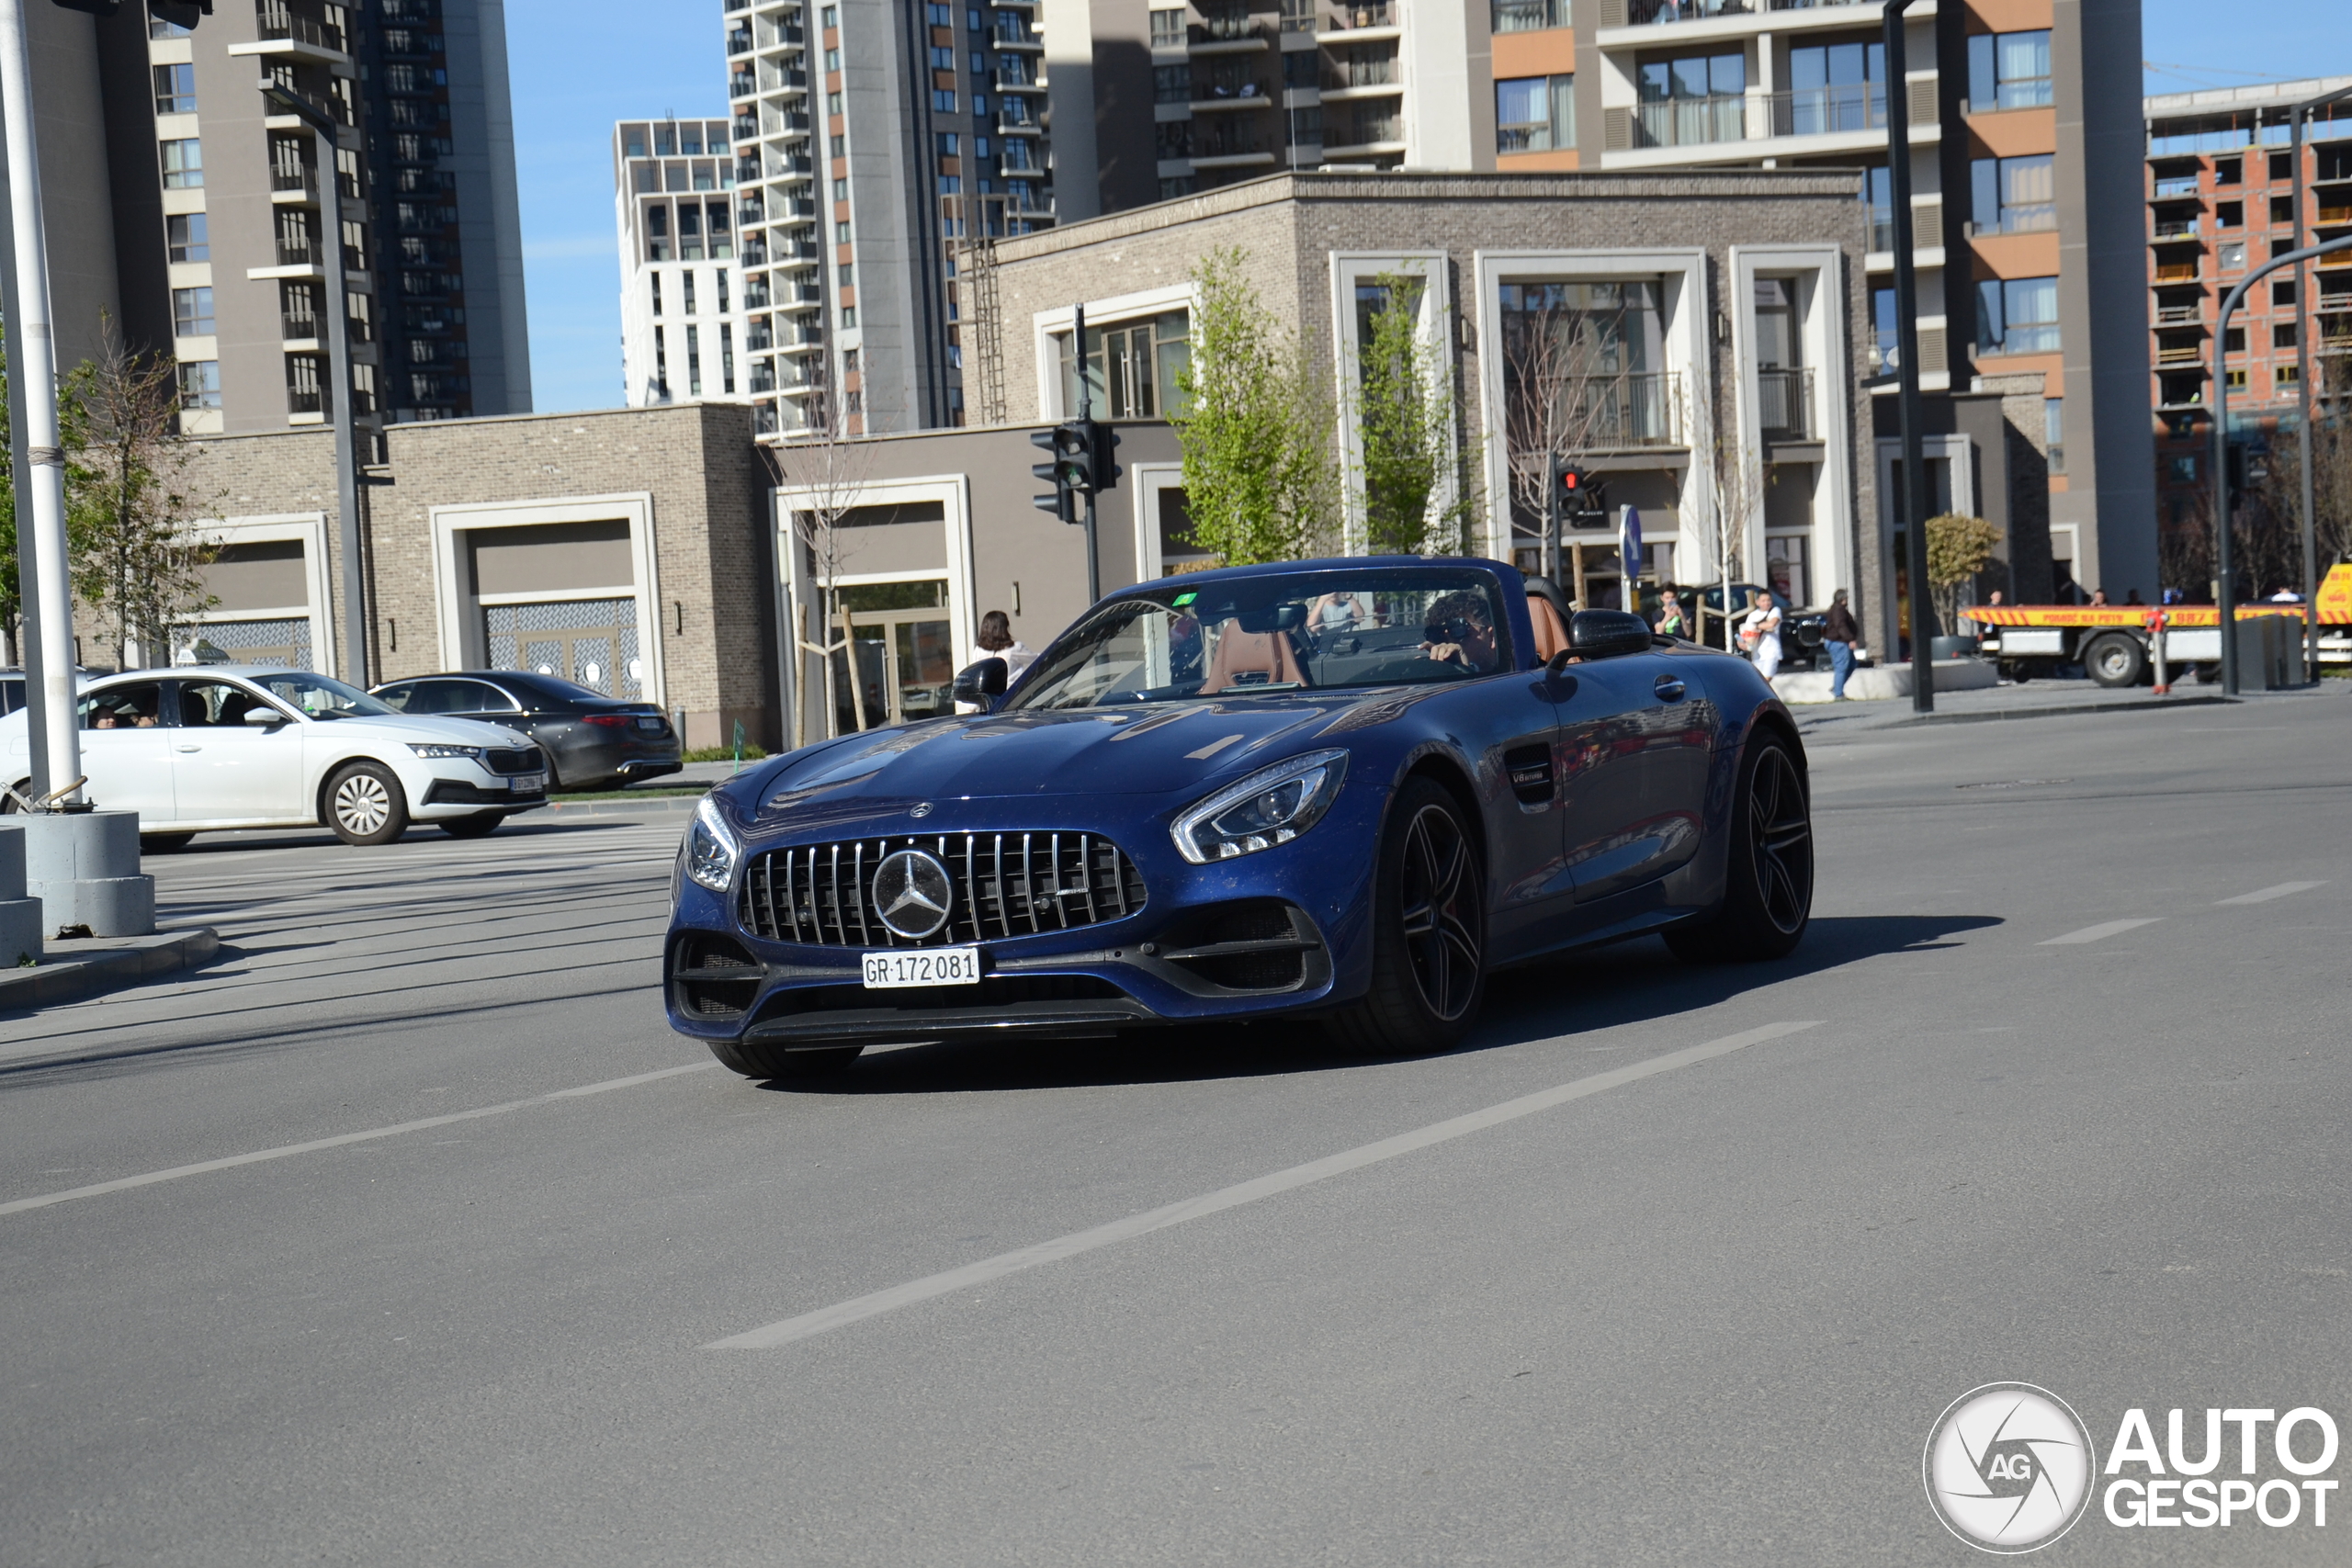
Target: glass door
<point>904,654</point>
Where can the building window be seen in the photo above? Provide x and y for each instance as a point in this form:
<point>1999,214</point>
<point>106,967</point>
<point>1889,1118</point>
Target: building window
<point>727,360</point>
<point>657,233</point>
<point>846,275</point>
<point>1171,84</point>
<point>657,293</point>
<point>183,164</point>
<point>174,89</point>
<point>201,384</point>
<point>2054,432</point>
<point>723,306</point>
<point>2017,315</point>
<point>184,234</point>
<point>841,233</point>
<point>1529,15</point>
<point>832,103</point>
<point>2286,375</point>
<point>1167,29</point>
<point>686,292</point>
<point>661,362</point>
<point>192,312</point>
<point>2283,335</point>
<point>2008,70</point>
<point>2184,471</point>
<point>943,100</point>
<point>1832,88</point>
<point>938,16</point>
<point>694,362</point>
<point>2232,253</point>
<point>1535,114</point>
<point>849,316</point>
<point>1171,139</point>
<point>1131,367</point>
<point>1697,99</point>
<point>950,144</point>
<point>2014,196</point>
<point>1175,186</point>
<point>951,185</point>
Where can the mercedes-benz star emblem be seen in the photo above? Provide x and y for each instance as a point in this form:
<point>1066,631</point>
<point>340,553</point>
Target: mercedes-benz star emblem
<point>912,894</point>
<point>920,808</point>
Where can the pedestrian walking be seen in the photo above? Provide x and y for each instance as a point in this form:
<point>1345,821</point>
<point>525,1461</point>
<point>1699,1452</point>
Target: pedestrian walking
<point>996,636</point>
<point>1838,635</point>
<point>1760,634</point>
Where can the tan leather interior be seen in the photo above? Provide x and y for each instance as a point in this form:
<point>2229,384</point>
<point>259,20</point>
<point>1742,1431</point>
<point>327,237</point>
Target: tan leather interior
<point>1551,637</point>
<point>1240,653</point>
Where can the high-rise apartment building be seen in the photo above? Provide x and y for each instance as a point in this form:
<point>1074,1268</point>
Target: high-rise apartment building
<point>217,205</point>
<point>682,292</point>
<point>2220,201</point>
<point>874,140</point>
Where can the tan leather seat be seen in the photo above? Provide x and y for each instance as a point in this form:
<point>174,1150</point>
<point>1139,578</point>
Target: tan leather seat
<point>1240,653</point>
<point>1551,637</point>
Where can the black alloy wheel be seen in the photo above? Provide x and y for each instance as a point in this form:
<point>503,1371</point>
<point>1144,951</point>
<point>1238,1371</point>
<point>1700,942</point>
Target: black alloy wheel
<point>1768,873</point>
<point>1428,930</point>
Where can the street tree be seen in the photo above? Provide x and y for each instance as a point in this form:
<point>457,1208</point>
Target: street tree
<point>1257,424</point>
<point>1958,546</point>
<point>822,471</point>
<point>1411,485</point>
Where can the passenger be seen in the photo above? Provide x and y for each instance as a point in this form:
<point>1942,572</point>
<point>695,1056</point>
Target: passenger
<point>1339,611</point>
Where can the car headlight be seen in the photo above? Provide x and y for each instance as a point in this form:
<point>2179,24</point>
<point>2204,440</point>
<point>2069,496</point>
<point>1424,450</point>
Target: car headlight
<point>1271,807</point>
<point>434,749</point>
<point>711,848</point>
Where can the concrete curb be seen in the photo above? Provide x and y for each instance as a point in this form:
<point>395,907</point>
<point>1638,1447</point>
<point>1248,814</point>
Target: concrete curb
<point>658,805</point>
<point>1995,716</point>
<point>67,976</point>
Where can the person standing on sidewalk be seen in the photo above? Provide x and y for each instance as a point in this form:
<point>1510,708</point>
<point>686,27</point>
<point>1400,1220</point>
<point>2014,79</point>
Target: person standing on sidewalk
<point>1838,635</point>
<point>1760,634</point>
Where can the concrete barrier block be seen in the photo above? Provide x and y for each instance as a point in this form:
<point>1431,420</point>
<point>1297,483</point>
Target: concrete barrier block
<point>83,867</point>
<point>12,862</point>
<point>20,932</point>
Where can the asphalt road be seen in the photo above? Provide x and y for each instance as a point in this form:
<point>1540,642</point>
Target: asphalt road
<point>1700,1307</point>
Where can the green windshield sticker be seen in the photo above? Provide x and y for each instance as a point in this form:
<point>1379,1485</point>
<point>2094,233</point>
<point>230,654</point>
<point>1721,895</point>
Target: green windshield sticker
<point>1185,599</point>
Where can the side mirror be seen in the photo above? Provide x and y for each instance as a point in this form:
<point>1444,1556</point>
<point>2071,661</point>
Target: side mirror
<point>264,714</point>
<point>1606,634</point>
<point>980,684</point>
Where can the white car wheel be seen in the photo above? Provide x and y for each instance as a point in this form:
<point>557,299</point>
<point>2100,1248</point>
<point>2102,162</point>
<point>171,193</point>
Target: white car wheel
<point>364,805</point>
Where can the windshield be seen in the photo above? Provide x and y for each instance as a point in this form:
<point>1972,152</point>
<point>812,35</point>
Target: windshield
<point>1282,632</point>
<point>318,696</point>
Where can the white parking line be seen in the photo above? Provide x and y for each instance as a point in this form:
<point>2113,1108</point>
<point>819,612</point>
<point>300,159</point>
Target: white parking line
<point>2264,895</point>
<point>2098,932</point>
<point>810,1324</point>
<point>124,1184</point>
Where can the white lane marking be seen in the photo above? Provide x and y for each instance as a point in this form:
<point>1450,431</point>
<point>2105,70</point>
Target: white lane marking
<point>201,1168</point>
<point>1211,748</point>
<point>2264,895</point>
<point>810,1324</point>
<point>2098,932</point>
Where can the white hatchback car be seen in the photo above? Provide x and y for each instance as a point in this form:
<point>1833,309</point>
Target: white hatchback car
<point>214,748</point>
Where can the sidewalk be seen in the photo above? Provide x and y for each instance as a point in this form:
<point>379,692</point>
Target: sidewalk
<point>2038,699</point>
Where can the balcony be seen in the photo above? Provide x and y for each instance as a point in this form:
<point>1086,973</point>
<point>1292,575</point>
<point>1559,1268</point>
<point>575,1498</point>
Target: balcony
<point>301,180</point>
<point>1015,74</point>
<point>1659,13</point>
<point>2194,353</point>
<point>295,327</point>
<point>1631,410</point>
<point>2177,271</point>
<point>741,84</point>
<point>1785,405</point>
<point>2177,228</point>
<point>1691,122</point>
<point>739,41</point>
<point>1825,111</point>
<point>298,253</point>
<point>1361,71</point>
<point>1011,32</point>
<point>1529,15</point>
<point>2180,315</point>
<point>2175,189</point>
<point>2029,217</point>
<point>1235,33</point>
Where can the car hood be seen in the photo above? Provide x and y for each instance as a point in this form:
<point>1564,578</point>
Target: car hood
<point>1162,749</point>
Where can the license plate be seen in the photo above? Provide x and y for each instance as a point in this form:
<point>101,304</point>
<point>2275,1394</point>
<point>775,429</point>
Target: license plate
<point>649,724</point>
<point>528,784</point>
<point>933,967</point>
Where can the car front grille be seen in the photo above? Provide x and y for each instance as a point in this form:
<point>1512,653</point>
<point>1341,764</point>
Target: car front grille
<point>513,760</point>
<point>1006,885</point>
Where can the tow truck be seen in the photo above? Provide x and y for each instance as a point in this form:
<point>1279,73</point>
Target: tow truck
<point>2112,642</point>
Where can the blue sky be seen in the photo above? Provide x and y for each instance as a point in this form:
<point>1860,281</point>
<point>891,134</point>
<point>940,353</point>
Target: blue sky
<point>579,65</point>
<point>575,67</point>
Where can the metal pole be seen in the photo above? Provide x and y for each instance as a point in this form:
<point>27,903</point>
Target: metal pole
<point>2226,589</point>
<point>1086,411</point>
<point>339,404</point>
<point>1906,353</point>
<point>2303,402</point>
<point>32,353</point>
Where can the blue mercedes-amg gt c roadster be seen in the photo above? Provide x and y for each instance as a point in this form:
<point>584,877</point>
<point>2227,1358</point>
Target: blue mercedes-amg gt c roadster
<point>1348,789</point>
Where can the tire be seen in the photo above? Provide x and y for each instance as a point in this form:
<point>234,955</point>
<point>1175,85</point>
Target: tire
<point>8,806</point>
<point>1428,935</point>
<point>163,843</point>
<point>481,825</point>
<point>365,804</point>
<point>2017,670</point>
<point>769,1064</point>
<point>2116,661</point>
<point>1768,877</point>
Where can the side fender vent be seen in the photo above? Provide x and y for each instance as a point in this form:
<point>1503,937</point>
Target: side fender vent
<point>1530,767</point>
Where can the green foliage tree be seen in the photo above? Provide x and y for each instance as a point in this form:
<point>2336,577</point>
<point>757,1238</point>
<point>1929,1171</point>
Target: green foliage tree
<point>1958,549</point>
<point>1256,425</point>
<point>1405,424</point>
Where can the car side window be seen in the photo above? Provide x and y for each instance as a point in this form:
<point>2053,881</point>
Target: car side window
<point>139,705</point>
<point>396,697</point>
<point>435,697</point>
<point>481,697</point>
<point>214,704</point>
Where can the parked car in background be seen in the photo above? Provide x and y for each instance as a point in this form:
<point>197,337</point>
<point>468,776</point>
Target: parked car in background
<point>227,747</point>
<point>590,739</point>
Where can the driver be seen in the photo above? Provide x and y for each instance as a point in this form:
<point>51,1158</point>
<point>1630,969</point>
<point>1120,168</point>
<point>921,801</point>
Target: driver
<point>1460,631</point>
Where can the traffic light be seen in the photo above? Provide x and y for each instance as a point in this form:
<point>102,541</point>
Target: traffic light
<point>1062,500</point>
<point>1581,494</point>
<point>1102,473</point>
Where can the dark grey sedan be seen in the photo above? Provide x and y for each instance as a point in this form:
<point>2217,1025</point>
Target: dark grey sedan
<point>590,739</point>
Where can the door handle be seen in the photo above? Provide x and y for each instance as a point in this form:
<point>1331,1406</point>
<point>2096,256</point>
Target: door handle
<point>191,748</point>
<point>1669,688</point>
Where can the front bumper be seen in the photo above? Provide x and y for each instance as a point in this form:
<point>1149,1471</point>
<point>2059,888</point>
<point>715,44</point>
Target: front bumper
<point>1282,932</point>
<point>465,789</point>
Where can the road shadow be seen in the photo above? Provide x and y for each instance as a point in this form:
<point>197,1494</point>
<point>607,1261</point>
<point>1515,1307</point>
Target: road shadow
<point>1638,981</point>
<point>423,833</point>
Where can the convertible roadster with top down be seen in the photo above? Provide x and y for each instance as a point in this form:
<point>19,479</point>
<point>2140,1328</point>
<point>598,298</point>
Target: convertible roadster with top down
<point>1348,789</point>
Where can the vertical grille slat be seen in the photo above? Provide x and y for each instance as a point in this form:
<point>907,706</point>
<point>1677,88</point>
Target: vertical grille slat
<point>1006,885</point>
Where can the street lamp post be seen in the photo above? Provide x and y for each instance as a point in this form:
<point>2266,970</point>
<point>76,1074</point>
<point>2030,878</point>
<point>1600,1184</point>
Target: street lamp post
<point>338,337</point>
<point>2227,590</point>
<point>2295,118</point>
<point>43,565</point>
<point>1906,365</point>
